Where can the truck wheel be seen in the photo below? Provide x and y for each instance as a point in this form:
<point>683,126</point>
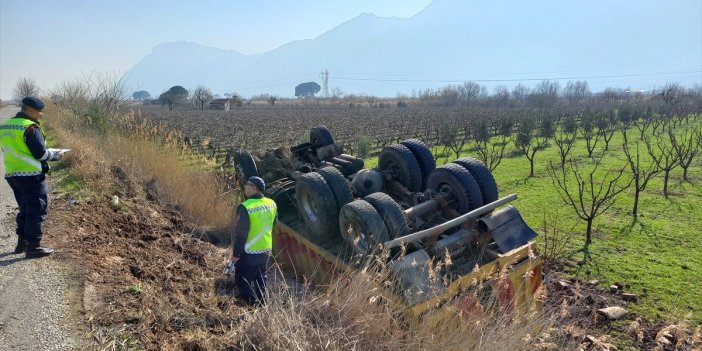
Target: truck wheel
<point>390,212</point>
<point>362,227</point>
<point>340,186</point>
<point>321,136</point>
<point>456,180</point>
<point>482,175</point>
<point>366,182</point>
<point>317,206</point>
<point>423,155</point>
<point>401,163</point>
<point>245,165</point>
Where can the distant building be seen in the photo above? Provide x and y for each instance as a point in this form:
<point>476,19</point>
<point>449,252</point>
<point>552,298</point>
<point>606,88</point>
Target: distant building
<point>220,104</point>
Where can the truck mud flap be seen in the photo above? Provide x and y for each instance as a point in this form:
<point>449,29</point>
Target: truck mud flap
<point>507,228</point>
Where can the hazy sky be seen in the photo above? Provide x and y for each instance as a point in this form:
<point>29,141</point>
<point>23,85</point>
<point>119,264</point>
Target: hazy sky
<point>53,41</point>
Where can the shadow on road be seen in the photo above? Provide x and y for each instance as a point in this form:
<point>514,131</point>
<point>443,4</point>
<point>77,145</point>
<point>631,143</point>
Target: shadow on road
<point>6,262</point>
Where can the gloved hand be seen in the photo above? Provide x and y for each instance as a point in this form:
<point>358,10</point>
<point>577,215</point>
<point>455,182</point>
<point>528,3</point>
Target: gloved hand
<point>55,155</point>
<point>229,269</point>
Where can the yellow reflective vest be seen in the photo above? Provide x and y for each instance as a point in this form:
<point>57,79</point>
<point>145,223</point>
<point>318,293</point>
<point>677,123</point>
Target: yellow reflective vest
<point>262,213</point>
<point>19,161</point>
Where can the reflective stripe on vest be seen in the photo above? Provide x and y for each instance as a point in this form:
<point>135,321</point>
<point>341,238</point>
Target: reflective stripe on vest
<point>18,159</point>
<point>262,213</point>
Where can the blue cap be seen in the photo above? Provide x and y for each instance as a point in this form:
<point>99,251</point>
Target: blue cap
<point>31,101</point>
<point>258,182</point>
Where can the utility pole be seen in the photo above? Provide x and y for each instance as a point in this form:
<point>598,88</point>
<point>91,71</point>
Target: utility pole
<point>325,82</point>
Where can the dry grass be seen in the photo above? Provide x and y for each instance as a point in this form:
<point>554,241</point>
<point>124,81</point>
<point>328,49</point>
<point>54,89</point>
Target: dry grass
<point>102,158</point>
<point>355,314</point>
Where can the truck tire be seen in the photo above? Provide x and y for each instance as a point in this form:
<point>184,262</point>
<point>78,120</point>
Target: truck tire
<point>456,180</point>
<point>317,207</point>
<point>423,155</point>
<point>390,212</point>
<point>245,165</point>
<point>482,175</point>
<point>362,227</point>
<point>401,163</point>
<point>340,186</point>
<point>321,136</point>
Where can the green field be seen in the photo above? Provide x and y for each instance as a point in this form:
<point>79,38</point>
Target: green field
<point>658,257</point>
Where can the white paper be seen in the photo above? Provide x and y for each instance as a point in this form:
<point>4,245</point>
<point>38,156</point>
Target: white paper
<point>59,150</point>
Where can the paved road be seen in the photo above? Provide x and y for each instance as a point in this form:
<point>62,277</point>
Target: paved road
<point>34,294</point>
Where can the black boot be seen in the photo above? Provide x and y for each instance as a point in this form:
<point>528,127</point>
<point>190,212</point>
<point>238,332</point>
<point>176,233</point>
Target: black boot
<point>21,245</point>
<point>36,251</point>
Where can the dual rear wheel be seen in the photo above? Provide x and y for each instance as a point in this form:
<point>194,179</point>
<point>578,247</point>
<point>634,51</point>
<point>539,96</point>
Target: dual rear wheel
<point>325,199</point>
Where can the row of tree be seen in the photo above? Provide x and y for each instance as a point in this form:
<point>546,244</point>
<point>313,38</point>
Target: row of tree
<point>662,143</point>
<point>546,94</point>
<point>202,95</point>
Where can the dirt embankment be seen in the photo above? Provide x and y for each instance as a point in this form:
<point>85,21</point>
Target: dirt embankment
<point>152,278</point>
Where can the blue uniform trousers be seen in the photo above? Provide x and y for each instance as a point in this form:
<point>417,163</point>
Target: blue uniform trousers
<point>30,194</point>
<point>251,281</point>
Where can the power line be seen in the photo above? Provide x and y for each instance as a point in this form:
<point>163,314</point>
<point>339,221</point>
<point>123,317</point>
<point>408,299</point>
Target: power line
<point>516,80</point>
<point>683,64</point>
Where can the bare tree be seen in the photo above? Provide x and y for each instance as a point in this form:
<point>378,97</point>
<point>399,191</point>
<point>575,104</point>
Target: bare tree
<point>641,174</point>
<point>576,92</point>
<point>590,196</point>
<point>590,134</point>
<point>470,91</point>
<point>23,88</point>
<point>686,147</point>
<point>74,95</point>
<point>337,93</point>
<point>625,117</point>
<point>201,96</point>
<point>672,93</point>
<point>664,155</point>
<point>169,99</point>
<point>544,94</point>
<point>109,91</point>
<point>643,120</point>
<point>612,94</point>
<point>96,97</point>
<point>448,96</point>
<point>606,126</point>
<point>529,140</point>
<point>565,137</point>
<point>490,150</point>
<point>272,100</point>
<point>520,93</point>
<point>500,97</point>
<point>458,142</point>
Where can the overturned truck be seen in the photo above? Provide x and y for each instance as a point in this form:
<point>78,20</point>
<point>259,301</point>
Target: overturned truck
<point>332,213</point>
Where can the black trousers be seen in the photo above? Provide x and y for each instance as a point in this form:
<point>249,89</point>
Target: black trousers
<point>251,281</point>
<point>30,194</point>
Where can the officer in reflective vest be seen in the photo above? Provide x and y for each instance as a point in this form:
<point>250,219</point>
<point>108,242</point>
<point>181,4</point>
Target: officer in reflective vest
<point>25,155</point>
<point>253,242</point>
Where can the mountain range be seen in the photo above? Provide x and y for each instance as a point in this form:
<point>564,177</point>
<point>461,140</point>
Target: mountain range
<point>450,41</point>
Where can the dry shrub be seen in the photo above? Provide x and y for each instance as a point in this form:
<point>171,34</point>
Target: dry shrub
<point>278,163</point>
<point>355,313</point>
<point>196,193</point>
